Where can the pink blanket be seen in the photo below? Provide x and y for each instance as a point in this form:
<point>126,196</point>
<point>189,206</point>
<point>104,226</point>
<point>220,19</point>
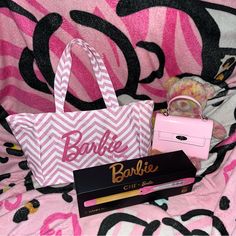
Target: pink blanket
<point>142,42</point>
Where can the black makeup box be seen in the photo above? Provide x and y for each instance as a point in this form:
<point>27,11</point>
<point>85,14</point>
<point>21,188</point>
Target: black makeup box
<point>121,184</point>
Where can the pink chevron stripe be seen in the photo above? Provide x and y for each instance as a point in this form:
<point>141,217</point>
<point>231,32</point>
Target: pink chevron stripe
<point>52,144</point>
<point>60,127</point>
<point>103,71</point>
<point>88,128</point>
<point>107,126</point>
<point>28,146</point>
<point>37,176</point>
<point>94,162</point>
<point>106,86</point>
<point>190,38</point>
<point>112,100</point>
<point>168,44</point>
<point>36,169</point>
<point>36,162</point>
<point>131,124</point>
<point>53,175</point>
<point>94,134</point>
<point>25,136</point>
<point>71,165</point>
<point>98,161</point>
<point>132,147</point>
<point>120,127</point>
<point>60,177</point>
<point>81,162</point>
<point>23,118</point>
<point>90,138</point>
<point>63,169</point>
<point>76,117</point>
<point>144,119</point>
<point>115,119</point>
<point>34,166</point>
<point>122,135</point>
<point>51,162</point>
<point>82,72</point>
<point>54,134</point>
<point>65,121</point>
<point>54,139</point>
<point>145,130</point>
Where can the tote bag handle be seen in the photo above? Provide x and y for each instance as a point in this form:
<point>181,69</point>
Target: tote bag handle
<point>63,73</point>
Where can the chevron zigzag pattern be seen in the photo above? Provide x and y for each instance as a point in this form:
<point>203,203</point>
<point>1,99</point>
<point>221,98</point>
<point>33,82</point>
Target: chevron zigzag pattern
<point>40,136</point>
<point>100,72</point>
<point>56,144</point>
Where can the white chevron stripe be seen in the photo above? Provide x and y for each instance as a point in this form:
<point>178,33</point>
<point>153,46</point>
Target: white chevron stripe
<point>34,166</point>
<point>130,123</point>
<point>29,150</point>
<point>52,150</point>
<point>50,143</point>
<point>53,129</point>
<point>54,163</point>
<point>111,126</point>
<point>62,177</point>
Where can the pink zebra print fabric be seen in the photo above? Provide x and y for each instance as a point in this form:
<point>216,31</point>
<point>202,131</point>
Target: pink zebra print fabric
<point>142,42</point>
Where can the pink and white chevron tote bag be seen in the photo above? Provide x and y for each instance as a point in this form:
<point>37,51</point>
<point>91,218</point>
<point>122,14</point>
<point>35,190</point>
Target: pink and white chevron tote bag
<point>57,143</point>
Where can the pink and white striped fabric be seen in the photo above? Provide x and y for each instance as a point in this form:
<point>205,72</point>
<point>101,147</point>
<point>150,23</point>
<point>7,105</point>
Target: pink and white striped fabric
<point>57,143</point>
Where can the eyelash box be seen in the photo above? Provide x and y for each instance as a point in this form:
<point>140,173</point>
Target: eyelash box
<point>122,184</point>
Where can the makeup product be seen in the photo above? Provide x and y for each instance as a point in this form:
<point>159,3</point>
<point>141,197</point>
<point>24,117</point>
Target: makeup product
<point>121,184</point>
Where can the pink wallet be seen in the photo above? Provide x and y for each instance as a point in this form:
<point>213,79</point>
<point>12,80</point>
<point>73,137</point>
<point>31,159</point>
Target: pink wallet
<point>192,135</point>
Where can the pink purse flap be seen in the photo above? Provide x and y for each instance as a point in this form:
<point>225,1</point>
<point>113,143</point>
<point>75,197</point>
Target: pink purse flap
<point>176,128</point>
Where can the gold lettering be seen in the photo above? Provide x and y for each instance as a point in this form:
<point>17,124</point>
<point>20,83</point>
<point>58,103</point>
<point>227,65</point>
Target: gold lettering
<point>118,174</point>
<point>131,186</point>
<point>151,168</point>
<point>139,168</point>
<point>145,183</point>
<point>126,187</point>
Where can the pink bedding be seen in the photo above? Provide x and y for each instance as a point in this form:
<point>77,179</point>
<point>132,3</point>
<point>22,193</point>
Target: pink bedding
<point>142,43</point>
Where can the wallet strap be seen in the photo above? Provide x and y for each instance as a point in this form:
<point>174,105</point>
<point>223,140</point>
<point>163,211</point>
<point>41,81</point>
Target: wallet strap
<point>187,98</point>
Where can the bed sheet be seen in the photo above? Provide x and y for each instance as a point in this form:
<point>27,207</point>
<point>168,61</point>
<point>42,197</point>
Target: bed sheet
<point>142,43</point>
<point>208,210</point>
